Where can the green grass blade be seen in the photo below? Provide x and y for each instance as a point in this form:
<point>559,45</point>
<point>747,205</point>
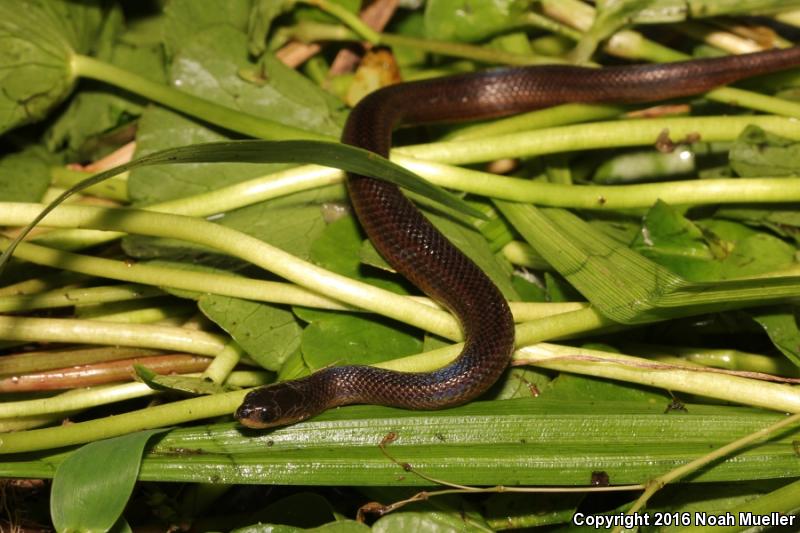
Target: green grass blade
<point>501,442</point>
<point>624,285</point>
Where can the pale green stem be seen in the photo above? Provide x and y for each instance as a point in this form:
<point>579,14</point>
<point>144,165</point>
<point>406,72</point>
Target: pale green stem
<point>224,363</point>
<point>691,192</point>
<point>690,379</point>
<point>77,331</point>
<point>350,19</point>
<point>612,134</point>
<point>202,282</point>
<point>79,399</point>
<point>244,247</point>
<point>163,315</point>
<point>103,428</point>
<point>527,144</point>
<point>229,285</point>
<point>76,296</point>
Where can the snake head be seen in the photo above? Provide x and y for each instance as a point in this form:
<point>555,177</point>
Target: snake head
<point>279,404</point>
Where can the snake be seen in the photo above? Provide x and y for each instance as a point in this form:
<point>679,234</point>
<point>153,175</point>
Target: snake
<point>418,251</point>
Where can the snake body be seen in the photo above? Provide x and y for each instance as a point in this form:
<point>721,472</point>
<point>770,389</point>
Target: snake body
<point>423,255</point>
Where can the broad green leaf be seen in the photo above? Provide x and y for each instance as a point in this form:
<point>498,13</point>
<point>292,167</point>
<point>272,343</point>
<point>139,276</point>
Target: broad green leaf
<point>338,248</point>
<point>268,333</point>
<point>569,387</point>
<point>187,18</point>
<point>783,220</point>
<point>25,175</point>
<point>213,64</point>
<point>441,514</point>
<point>518,382</point>
<point>525,441</point>
<point>351,339</point>
<point>673,241</point>
<point>780,323</point>
<point>301,511</point>
<point>87,494</point>
<point>37,41</point>
<point>759,153</point>
<point>711,249</point>
<point>466,20</point>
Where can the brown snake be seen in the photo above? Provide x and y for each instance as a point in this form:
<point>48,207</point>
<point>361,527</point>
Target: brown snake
<point>423,255</point>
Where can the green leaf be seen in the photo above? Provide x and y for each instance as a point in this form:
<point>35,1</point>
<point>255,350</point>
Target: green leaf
<point>711,249</point>
<point>268,333</point>
<point>25,175</point>
<point>340,526</point>
<point>301,511</point>
<point>87,494</point>
<point>780,323</point>
<point>177,384</point>
<point>759,153</point>
<point>37,41</point>
<point>466,20</point>
<point>214,64</point>
<point>187,18</point>
<point>339,339</point>
<point>99,109</point>
<point>338,248</point>
<point>443,514</point>
<point>783,220</point>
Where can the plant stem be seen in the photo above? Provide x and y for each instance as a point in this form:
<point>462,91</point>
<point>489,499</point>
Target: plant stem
<point>98,332</point>
<point>310,31</point>
<point>689,379</point>
<point>103,428</point>
<point>76,296</point>
<point>247,248</point>
<point>613,134</point>
<point>684,192</point>
<point>206,110</point>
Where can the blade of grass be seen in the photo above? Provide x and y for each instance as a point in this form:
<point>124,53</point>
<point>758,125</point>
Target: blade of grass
<point>527,441</point>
